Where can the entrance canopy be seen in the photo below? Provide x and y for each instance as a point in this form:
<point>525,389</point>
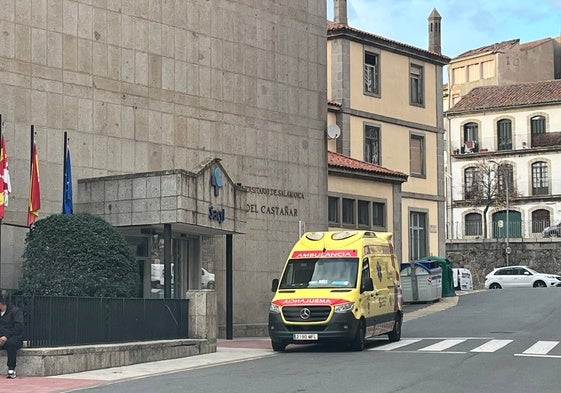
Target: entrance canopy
<point>205,201</point>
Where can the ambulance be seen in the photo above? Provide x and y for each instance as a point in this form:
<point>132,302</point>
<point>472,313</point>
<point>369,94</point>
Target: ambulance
<point>339,287</point>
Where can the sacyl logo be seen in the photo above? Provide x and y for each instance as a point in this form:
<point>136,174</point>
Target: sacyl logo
<point>216,181</point>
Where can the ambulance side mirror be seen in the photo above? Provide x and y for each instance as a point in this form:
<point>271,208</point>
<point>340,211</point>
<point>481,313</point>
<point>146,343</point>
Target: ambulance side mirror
<point>274,284</point>
<point>367,285</point>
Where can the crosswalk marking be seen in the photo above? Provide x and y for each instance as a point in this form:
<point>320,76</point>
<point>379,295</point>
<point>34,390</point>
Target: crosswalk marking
<point>492,346</point>
<point>444,344</point>
<point>541,348</point>
<point>397,344</point>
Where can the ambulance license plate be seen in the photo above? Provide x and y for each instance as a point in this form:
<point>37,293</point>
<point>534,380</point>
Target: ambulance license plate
<point>305,337</point>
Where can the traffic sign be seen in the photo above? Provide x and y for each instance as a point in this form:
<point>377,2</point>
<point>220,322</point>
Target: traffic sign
<point>508,250</point>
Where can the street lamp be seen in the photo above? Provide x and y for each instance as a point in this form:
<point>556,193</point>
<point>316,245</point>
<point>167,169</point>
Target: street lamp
<point>505,179</point>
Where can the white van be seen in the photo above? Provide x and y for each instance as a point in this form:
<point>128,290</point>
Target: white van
<point>463,280</point>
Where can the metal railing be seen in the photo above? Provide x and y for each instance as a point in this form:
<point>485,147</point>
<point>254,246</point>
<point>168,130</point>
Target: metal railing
<point>521,229</point>
<point>58,321</point>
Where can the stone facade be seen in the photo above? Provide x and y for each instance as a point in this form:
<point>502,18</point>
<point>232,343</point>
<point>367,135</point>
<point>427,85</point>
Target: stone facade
<point>149,86</point>
<point>543,255</point>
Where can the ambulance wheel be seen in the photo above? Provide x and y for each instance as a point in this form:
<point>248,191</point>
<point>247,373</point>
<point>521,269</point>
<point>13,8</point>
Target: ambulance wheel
<point>278,346</point>
<point>395,334</point>
<point>358,342</point>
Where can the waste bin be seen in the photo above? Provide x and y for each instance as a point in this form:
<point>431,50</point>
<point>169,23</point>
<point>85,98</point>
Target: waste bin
<point>447,275</point>
<point>425,285</point>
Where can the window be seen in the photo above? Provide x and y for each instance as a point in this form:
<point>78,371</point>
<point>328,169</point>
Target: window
<point>473,72</point>
<point>506,178</point>
<point>540,180</point>
<point>470,138</point>
<point>416,85</point>
<point>333,209</point>
<point>372,144</point>
<point>488,69</point>
<point>540,220</point>
<point>378,214</point>
<point>471,175</point>
<point>417,235</point>
<point>504,134</point>
<point>417,155</point>
<point>364,213</point>
<point>473,224</point>
<point>348,211</point>
<point>537,127</point>
<point>371,73</point>
<point>459,75</point>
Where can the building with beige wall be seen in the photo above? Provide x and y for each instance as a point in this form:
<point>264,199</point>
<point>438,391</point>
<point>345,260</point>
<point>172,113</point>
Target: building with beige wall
<point>390,115</point>
<point>163,102</point>
<point>503,63</point>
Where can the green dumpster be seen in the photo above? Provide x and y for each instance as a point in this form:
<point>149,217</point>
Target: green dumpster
<point>447,275</point>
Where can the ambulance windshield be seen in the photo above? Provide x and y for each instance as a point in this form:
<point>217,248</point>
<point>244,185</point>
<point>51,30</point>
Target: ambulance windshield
<point>320,273</point>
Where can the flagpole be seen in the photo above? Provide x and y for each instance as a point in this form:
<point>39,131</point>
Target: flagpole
<point>1,131</point>
<point>64,167</point>
<point>31,168</point>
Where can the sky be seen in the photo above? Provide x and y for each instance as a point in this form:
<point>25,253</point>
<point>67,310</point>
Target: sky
<point>465,24</point>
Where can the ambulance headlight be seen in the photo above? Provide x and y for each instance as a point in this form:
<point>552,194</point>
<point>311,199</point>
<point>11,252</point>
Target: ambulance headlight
<point>274,309</point>
<point>345,307</point>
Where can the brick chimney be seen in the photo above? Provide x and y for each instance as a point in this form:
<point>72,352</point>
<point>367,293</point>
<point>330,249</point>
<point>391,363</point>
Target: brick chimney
<point>340,11</point>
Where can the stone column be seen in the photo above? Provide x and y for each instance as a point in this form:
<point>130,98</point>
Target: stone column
<point>203,322</point>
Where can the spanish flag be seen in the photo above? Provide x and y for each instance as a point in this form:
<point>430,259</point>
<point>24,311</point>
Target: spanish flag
<point>5,184</point>
<point>34,189</point>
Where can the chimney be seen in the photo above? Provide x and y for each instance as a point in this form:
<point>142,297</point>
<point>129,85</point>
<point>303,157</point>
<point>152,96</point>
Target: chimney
<point>434,32</point>
<point>340,11</point>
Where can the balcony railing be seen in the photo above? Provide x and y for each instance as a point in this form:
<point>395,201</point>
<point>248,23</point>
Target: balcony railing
<point>546,139</point>
<point>520,142</point>
<point>525,229</point>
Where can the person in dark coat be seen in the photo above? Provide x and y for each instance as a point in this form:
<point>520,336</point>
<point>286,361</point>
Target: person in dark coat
<point>11,333</point>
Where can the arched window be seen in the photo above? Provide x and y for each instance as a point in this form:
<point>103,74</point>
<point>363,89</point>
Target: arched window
<point>506,178</point>
<point>473,224</point>
<point>540,178</point>
<point>504,134</point>
<point>471,175</point>
<point>540,220</point>
<point>471,143</point>
<point>537,127</point>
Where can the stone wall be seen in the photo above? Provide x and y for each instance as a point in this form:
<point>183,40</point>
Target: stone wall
<point>543,255</point>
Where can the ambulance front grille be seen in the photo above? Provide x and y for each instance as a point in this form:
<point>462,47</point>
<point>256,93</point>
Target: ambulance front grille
<point>316,313</point>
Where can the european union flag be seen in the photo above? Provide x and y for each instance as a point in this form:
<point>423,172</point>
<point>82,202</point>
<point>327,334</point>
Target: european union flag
<point>67,207</point>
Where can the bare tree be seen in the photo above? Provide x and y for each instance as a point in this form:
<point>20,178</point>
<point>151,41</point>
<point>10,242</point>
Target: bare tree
<point>488,186</point>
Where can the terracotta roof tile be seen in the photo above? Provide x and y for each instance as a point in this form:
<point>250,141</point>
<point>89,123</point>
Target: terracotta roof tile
<point>337,160</point>
<point>534,44</point>
<point>493,48</point>
<point>522,94</point>
<point>333,27</point>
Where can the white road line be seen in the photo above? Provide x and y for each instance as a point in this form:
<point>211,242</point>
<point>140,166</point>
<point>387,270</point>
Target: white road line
<point>441,346</point>
<point>541,348</point>
<point>397,344</point>
<point>538,356</point>
<point>492,346</point>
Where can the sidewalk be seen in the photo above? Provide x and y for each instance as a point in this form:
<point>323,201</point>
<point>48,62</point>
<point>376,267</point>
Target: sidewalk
<point>228,351</point>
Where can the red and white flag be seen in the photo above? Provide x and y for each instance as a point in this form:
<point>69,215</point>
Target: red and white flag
<point>5,184</point>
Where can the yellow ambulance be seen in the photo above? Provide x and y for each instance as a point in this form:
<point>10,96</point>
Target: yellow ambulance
<point>337,287</point>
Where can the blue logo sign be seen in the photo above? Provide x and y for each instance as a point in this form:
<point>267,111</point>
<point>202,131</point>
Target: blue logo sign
<point>216,181</point>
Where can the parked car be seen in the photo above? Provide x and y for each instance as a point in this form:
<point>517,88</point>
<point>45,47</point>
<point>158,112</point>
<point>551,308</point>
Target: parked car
<point>520,277</point>
<point>463,280</point>
<point>552,231</point>
<point>207,280</point>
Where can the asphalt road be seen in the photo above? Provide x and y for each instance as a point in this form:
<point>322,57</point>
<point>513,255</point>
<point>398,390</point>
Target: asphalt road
<point>492,341</point>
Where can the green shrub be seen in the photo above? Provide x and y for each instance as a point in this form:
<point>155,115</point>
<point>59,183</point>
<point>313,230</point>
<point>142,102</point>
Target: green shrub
<point>78,255</point>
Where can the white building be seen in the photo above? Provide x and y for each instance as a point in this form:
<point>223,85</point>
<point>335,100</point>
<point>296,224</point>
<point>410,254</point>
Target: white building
<point>513,132</point>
